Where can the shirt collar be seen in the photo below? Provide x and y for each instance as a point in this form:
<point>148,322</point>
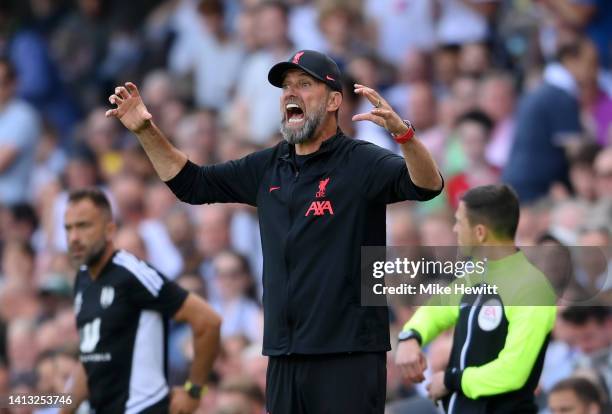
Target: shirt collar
<point>556,74</point>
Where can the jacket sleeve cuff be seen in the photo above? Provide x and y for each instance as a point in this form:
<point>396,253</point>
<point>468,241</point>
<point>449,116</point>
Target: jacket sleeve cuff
<point>188,169</point>
<point>452,379</point>
<point>182,184</point>
<point>426,193</point>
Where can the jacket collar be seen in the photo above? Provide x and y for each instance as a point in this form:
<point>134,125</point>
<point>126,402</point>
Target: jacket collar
<point>288,150</point>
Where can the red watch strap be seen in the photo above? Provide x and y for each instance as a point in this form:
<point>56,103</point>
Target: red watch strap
<point>405,137</point>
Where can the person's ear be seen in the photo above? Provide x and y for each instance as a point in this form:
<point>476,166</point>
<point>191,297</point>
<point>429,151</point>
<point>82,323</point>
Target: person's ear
<point>111,230</point>
<point>594,409</point>
<point>334,101</point>
<point>481,233</point>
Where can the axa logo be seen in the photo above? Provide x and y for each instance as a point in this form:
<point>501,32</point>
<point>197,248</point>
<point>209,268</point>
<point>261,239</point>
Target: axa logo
<point>319,208</point>
<point>296,58</point>
<point>322,187</point>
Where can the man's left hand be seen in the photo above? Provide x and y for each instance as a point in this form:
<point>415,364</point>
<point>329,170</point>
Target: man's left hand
<point>181,402</point>
<point>382,114</point>
<point>436,388</point>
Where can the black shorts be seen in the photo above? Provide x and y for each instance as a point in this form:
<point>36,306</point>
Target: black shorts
<point>353,383</point>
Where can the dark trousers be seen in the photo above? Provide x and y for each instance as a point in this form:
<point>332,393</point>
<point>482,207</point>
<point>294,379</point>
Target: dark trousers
<point>327,384</point>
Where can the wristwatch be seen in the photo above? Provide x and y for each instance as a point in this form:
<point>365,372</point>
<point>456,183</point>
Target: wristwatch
<point>195,391</point>
<point>408,124</point>
<point>406,136</point>
<point>409,334</point>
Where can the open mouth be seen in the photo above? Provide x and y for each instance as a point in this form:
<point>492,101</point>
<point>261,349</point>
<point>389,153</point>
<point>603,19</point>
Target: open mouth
<point>293,113</point>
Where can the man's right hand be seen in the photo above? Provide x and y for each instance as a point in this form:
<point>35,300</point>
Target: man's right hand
<point>411,360</point>
<point>130,110</point>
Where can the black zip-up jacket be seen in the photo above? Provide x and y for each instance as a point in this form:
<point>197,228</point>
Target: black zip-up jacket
<point>313,222</point>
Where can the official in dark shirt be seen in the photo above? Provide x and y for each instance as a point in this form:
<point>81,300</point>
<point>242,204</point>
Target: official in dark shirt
<point>320,196</point>
<point>122,308</point>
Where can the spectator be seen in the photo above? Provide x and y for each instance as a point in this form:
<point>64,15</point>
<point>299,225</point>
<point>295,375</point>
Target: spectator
<point>255,113</point>
<point>196,136</point>
<point>474,59</point>
<point>546,120</point>
<point>80,43</point>
<point>401,25</point>
<point>464,21</point>
<point>576,396</point>
<point>21,346</point>
<point>340,25</point>
<point>212,237</point>
<point>18,264</point>
<point>127,238</point>
<point>19,132</point>
<point>365,69</point>
<point>446,66</point>
<point>129,196</point>
<point>589,329</point>
<point>38,80</point>
<point>422,110</point>
<point>437,230</point>
<point>304,30</point>
<point>496,98</point>
<point>50,160</point>
<point>596,105</point>
<point>234,284</point>
<point>566,220</point>
<point>592,261</point>
<point>581,172</point>
<point>414,68</point>
<point>102,137</point>
<point>21,223</point>
<point>603,173</point>
<point>215,58</point>
<point>592,16</point>
<point>474,130</point>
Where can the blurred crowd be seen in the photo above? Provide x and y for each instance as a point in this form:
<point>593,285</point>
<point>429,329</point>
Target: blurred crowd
<point>518,91</point>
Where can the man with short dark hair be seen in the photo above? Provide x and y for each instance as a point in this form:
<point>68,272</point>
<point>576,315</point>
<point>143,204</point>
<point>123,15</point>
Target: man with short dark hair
<point>547,121</point>
<point>320,196</point>
<point>589,329</point>
<point>500,336</point>
<point>122,307</point>
<point>575,396</point>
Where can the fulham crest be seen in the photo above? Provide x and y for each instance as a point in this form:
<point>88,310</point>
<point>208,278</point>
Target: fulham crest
<point>107,295</point>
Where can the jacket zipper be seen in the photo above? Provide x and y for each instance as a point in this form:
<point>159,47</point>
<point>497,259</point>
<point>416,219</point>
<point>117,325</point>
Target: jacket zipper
<point>291,216</point>
<point>464,349</point>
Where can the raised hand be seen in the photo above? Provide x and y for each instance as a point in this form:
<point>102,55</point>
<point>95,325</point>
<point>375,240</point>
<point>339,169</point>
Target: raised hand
<point>130,110</point>
<point>382,114</point>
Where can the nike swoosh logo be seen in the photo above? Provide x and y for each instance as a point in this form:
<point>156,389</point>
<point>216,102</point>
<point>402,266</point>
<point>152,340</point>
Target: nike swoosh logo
<point>274,188</point>
<point>329,78</point>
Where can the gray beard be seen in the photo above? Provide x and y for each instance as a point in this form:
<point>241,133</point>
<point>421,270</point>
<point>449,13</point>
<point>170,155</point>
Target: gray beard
<point>306,133</point>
